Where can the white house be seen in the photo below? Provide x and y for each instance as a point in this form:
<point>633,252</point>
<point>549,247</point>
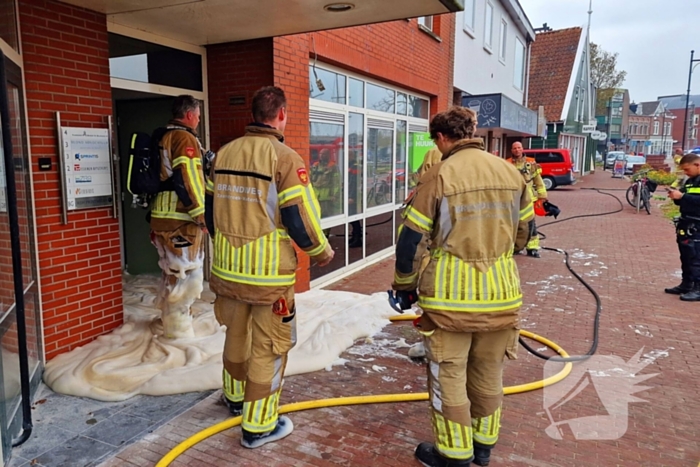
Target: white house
<point>492,43</point>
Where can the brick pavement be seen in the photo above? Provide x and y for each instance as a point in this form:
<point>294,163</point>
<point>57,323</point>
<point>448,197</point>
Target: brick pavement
<point>627,257</point>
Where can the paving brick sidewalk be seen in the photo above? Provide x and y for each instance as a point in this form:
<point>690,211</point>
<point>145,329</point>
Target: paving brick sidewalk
<point>627,257</point>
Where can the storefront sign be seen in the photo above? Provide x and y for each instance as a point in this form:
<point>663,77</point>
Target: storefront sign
<point>420,145</point>
<point>87,165</point>
<point>496,111</point>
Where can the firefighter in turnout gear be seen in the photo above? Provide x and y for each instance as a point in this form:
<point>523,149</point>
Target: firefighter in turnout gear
<point>532,174</point>
<point>688,229</point>
<point>259,200</point>
<point>177,219</point>
<point>472,208</point>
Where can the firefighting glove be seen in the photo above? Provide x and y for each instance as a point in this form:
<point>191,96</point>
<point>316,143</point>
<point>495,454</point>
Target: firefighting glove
<point>406,298</point>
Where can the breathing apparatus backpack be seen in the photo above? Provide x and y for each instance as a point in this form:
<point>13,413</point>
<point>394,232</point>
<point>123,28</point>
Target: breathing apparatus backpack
<point>143,176</point>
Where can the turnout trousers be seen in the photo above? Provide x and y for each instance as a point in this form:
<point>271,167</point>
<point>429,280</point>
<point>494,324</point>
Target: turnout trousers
<point>258,339</point>
<point>465,385</point>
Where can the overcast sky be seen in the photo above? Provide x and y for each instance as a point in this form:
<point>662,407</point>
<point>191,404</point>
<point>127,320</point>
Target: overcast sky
<point>652,37</point>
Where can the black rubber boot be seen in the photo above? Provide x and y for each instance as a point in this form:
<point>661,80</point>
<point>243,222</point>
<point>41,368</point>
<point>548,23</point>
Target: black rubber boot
<point>482,454</point>
<point>283,428</point>
<point>236,408</point>
<point>533,253</point>
<point>693,295</point>
<point>683,287</point>
<point>429,456</point>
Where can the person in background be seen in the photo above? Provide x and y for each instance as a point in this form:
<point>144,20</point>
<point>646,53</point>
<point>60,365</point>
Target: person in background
<point>354,198</point>
<point>688,229</point>
<point>532,174</point>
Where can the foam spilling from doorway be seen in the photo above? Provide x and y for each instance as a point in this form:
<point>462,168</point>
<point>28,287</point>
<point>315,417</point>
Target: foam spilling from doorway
<point>137,359</point>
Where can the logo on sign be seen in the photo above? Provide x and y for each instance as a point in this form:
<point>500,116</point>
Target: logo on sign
<point>85,156</point>
<point>76,167</point>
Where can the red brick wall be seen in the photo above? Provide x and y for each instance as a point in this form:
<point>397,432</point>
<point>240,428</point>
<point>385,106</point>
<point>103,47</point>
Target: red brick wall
<point>291,73</point>
<point>397,52</point>
<point>66,66</point>
<point>235,70</point>
<point>677,128</point>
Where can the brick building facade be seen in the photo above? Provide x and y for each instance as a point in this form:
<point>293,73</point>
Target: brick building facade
<point>65,55</point>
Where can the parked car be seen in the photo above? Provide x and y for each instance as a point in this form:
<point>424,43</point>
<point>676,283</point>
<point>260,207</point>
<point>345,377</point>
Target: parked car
<point>557,168</point>
<point>631,161</point>
<point>610,158</point>
<point>598,157</point>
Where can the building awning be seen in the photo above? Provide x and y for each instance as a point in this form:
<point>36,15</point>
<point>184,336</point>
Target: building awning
<point>499,112</point>
<point>202,22</point>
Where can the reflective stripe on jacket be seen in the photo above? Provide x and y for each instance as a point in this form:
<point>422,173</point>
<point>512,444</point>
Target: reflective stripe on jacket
<point>474,209</point>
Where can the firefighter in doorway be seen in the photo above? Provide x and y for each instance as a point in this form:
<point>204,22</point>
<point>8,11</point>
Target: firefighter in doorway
<point>259,179</point>
<point>532,174</point>
<point>177,219</point>
<point>472,208</point>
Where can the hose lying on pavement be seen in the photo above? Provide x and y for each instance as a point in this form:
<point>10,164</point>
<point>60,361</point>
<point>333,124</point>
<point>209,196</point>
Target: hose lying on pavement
<point>598,304</point>
<point>358,400</point>
<point>413,397</point>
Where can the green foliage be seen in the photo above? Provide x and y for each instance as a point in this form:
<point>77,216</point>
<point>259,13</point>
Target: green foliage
<point>605,76</point>
<point>670,210</point>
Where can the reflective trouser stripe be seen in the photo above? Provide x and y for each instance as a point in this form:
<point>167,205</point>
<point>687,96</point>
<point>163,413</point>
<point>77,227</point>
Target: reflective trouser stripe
<point>527,212</point>
<point>534,243</point>
<point>486,428</point>
<point>261,415</point>
<point>452,439</point>
<point>234,390</point>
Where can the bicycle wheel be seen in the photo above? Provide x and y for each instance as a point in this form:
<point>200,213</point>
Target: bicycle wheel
<point>646,199</point>
<point>631,199</point>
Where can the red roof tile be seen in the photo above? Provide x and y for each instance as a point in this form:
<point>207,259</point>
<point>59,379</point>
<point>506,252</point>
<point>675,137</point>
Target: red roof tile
<point>551,63</point>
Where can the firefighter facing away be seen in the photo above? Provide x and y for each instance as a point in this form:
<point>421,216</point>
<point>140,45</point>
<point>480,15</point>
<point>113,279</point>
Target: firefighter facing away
<point>472,208</point>
<point>532,174</point>
<point>259,200</point>
<point>177,219</point>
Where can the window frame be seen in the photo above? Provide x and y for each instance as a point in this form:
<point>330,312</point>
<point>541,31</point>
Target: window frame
<point>656,128</point>
<point>469,27</point>
<point>345,109</point>
<point>519,46</point>
<point>503,38</point>
<point>428,22</point>
<point>488,27</point>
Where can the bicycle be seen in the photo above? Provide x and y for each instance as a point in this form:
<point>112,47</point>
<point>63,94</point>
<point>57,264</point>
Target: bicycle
<point>639,193</point>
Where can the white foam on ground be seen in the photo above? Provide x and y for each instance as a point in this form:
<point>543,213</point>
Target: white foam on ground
<point>137,359</point>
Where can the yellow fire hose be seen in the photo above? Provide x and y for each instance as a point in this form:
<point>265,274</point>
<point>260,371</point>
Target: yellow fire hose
<point>358,400</point>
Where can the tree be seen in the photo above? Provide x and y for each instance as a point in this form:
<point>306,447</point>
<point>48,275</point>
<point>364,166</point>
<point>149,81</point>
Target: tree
<point>605,75</point>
